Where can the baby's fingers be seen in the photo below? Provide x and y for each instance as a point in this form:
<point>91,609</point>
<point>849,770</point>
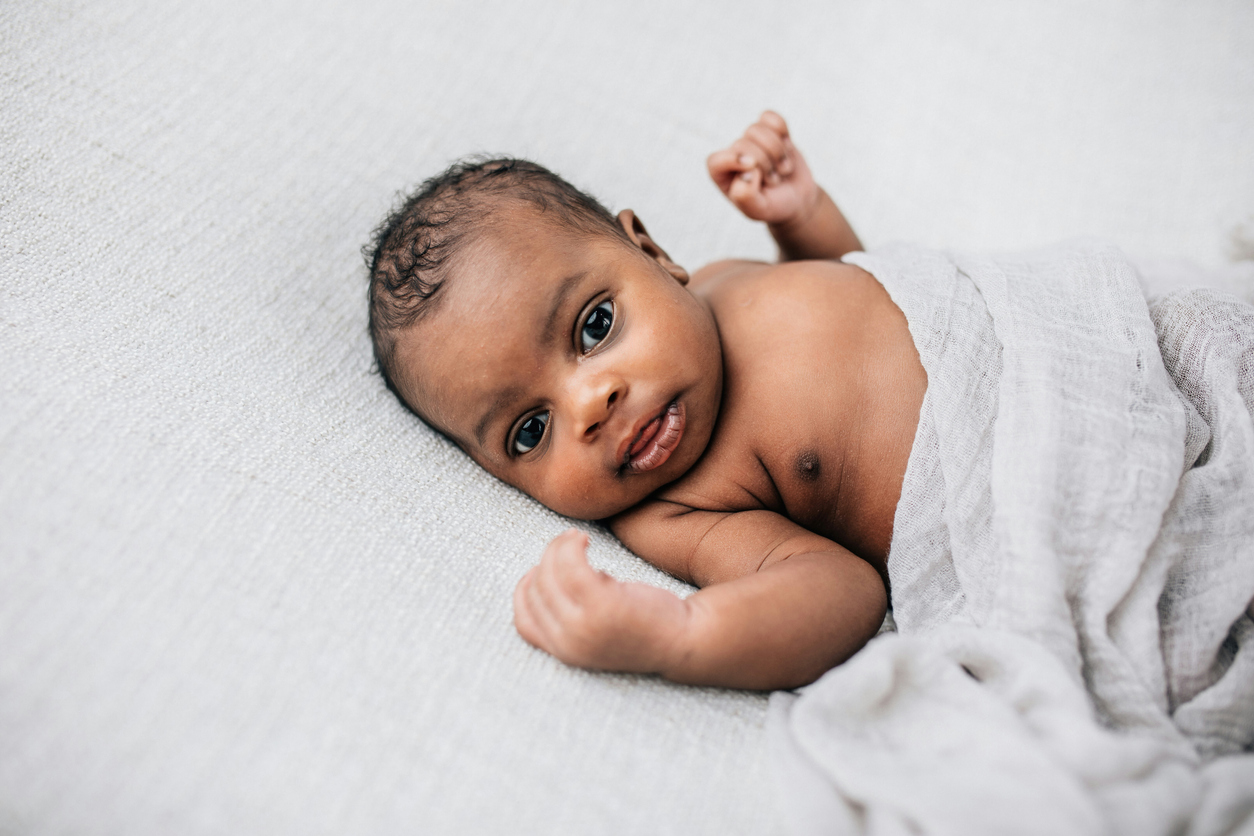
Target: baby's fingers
<point>525,621</point>
<point>565,563</point>
<point>771,143</point>
<point>547,594</point>
<point>751,155</point>
<point>565,583</point>
<point>725,166</point>
<point>746,193</point>
<point>775,122</point>
<point>544,616</point>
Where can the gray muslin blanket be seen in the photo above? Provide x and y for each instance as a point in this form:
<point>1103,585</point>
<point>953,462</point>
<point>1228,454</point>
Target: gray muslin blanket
<point>1072,567</point>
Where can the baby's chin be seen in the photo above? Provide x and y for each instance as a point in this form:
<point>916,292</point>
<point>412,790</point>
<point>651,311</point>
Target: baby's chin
<point>599,510</point>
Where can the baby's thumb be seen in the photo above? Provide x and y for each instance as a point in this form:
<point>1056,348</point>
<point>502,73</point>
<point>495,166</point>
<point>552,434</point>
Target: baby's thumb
<point>746,193</point>
<point>570,550</point>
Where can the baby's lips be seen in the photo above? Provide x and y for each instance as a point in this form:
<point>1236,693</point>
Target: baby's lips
<point>661,441</point>
<point>639,438</point>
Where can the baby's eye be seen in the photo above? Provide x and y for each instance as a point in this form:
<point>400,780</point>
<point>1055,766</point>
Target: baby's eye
<point>530,433</point>
<point>596,326</point>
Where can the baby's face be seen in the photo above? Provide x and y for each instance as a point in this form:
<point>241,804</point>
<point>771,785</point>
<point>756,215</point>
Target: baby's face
<point>577,368</point>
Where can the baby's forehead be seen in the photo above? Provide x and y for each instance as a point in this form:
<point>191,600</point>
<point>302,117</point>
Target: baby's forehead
<point>477,347</point>
<point>521,256</point>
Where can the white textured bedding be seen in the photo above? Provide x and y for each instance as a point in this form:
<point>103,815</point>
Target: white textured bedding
<point>1072,564</point>
<point>241,591</point>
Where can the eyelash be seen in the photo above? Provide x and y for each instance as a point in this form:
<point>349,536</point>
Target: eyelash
<point>607,308</point>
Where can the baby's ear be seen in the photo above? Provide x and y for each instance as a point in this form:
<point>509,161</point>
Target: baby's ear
<point>640,237</point>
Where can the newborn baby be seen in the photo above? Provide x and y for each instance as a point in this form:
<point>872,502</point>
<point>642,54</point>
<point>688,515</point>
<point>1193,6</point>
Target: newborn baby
<point>745,428</point>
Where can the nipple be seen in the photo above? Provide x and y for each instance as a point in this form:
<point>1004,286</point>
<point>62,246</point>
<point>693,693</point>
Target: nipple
<point>808,466</point>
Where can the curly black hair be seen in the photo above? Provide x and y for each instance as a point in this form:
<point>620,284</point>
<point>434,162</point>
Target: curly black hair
<point>410,252</point>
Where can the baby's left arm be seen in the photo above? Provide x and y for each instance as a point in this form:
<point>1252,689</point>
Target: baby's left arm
<point>779,604</point>
<point>767,179</point>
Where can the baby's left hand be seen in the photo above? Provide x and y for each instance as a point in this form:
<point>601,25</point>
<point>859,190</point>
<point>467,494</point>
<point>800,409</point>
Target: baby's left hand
<point>586,618</point>
<point>764,174</point>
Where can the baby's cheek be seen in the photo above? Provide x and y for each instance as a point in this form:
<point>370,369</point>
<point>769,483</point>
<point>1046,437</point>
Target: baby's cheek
<point>562,488</point>
<point>587,496</point>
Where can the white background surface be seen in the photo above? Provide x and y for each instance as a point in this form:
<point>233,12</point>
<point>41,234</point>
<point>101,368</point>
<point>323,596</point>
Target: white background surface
<point>240,590</point>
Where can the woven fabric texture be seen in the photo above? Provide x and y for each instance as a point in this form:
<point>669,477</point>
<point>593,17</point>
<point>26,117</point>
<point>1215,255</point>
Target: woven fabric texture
<point>1060,569</point>
<point>241,590</point>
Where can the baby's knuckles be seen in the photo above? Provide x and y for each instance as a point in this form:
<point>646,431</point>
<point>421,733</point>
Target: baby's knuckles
<point>610,628</point>
<point>591,633</point>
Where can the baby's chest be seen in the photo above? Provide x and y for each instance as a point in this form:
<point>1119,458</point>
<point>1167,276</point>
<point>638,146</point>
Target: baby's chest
<point>805,473</point>
<point>794,471</point>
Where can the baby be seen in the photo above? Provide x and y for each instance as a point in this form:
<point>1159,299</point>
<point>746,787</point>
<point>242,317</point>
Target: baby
<point>745,428</point>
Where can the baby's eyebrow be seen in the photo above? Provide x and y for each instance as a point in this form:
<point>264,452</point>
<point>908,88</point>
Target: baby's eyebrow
<point>502,400</point>
<point>559,299</point>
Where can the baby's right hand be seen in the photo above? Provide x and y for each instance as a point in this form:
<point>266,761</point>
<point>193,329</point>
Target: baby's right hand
<point>765,175</point>
<point>587,618</point>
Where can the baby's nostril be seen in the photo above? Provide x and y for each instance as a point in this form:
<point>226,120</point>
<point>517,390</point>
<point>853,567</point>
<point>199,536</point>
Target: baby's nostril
<point>613,397</point>
<point>592,429</point>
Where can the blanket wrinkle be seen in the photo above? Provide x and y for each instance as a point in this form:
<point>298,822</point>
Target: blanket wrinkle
<point>1070,564</point>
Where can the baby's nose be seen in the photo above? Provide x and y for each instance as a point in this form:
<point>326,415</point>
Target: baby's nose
<point>591,429</point>
<point>594,403</point>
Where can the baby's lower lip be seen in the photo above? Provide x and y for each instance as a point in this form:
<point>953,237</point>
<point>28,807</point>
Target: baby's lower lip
<point>662,441</point>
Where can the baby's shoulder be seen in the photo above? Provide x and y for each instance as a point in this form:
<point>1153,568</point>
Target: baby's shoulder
<point>734,283</point>
<point>716,272</point>
<point>762,309</point>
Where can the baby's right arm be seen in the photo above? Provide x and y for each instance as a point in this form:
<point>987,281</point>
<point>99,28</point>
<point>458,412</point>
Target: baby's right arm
<point>767,179</point>
<point>779,604</point>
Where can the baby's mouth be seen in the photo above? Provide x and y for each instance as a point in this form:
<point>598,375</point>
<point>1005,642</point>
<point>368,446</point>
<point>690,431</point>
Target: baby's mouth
<point>656,441</point>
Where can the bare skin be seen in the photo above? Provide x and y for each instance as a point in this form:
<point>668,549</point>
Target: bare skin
<point>746,430</point>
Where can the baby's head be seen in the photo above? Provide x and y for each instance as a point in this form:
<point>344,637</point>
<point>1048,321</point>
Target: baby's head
<point>555,343</point>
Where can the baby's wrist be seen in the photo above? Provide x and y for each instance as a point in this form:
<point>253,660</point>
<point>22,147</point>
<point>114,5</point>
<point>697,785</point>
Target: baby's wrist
<point>820,233</point>
<point>673,645</point>
<point>802,218</point>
